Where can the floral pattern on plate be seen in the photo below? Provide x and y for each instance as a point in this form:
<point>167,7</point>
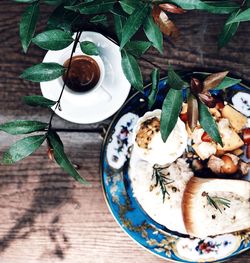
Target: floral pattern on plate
<point>128,213</point>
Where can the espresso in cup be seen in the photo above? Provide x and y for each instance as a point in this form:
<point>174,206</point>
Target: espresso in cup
<point>84,73</point>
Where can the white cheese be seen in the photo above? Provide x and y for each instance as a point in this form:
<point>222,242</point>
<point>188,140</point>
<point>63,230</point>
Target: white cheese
<point>149,196</point>
<point>159,152</point>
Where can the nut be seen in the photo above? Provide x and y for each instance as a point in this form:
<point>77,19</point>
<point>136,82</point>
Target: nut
<point>229,166</point>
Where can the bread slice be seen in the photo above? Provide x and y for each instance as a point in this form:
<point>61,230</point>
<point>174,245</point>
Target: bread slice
<point>202,219</point>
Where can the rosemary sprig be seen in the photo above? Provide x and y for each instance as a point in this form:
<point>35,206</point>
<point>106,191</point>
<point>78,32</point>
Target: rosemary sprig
<point>217,201</point>
<point>161,179</point>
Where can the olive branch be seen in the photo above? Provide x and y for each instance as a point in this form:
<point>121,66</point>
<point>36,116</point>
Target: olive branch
<point>127,17</point>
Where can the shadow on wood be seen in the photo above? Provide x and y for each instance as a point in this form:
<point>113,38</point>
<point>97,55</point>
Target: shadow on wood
<point>43,202</point>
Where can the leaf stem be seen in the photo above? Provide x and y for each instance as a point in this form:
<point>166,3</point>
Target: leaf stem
<point>216,201</point>
<point>78,35</point>
<point>161,179</point>
<point>243,3</point>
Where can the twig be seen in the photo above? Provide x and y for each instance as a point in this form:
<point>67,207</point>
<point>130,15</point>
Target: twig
<point>161,179</point>
<point>216,201</point>
<point>78,35</point>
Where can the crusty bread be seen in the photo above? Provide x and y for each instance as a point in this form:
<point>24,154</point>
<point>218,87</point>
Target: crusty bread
<point>202,219</point>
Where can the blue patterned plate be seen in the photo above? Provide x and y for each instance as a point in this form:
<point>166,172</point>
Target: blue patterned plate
<point>125,208</point>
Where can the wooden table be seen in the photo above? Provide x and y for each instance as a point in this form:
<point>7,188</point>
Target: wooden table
<point>45,215</point>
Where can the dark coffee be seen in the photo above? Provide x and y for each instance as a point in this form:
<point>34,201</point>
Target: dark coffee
<point>83,75</point>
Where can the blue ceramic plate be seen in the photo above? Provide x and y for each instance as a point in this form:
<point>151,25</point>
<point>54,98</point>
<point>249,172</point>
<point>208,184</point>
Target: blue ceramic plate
<point>125,208</point>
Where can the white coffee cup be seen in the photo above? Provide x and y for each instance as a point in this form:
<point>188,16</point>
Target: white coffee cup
<point>78,96</point>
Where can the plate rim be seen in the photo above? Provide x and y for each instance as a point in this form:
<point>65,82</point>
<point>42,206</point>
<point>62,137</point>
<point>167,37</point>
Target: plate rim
<point>101,170</point>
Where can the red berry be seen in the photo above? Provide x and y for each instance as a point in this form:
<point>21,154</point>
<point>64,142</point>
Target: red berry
<point>183,117</point>
<point>206,138</point>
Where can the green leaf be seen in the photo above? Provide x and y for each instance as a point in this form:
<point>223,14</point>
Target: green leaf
<point>221,7</point>
<point>189,5</point>
<point>242,17</point>
<point>227,82</point>
<point>55,39</point>
<point>117,10</point>
<point>43,72</point>
<point>56,138</point>
<point>22,127</point>
<point>53,2</point>
<point>137,48</point>
<point>89,48</point>
<point>153,33</point>
<point>228,30</point>
<point>62,19</point>
<point>133,24</point>
<point>216,7</point>
<point>27,25</point>
<point>129,6</point>
<point>170,112</point>
<point>62,159</point>
<point>208,123</point>
<point>132,71</point>
<point>174,80</point>
<point>100,20</point>
<point>155,76</point>
<point>93,7</point>
<point>23,148</point>
<point>38,101</point>
<point>119,22</point>
<point>25,1</point>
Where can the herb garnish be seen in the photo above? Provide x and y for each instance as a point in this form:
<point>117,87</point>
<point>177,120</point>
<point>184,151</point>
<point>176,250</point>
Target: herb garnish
<point>161,179</point>
<point>216,201</point>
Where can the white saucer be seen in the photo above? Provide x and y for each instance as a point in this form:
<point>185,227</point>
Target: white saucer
<point>100,103</point>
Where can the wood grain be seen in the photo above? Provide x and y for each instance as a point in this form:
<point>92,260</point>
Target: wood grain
<point>45,215</point>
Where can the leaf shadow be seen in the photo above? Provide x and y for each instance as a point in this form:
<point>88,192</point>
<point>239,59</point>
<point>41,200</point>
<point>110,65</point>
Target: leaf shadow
<point>48,196</point>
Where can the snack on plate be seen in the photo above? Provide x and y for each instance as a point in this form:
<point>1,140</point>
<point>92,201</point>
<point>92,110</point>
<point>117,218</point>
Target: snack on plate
<point>165,210</point>
<point>216,206</point>
<point>149,144</point>
<point>168,178</point>
<point>237,120</point>
<point>233,129</point>
<point>205,149</point>
<point>231,140</point>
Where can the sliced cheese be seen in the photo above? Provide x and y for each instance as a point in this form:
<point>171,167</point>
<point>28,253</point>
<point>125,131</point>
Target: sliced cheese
<point>231,140</point>
<point>149,196</point>
<point>205,149</point>
<point>237,120</point>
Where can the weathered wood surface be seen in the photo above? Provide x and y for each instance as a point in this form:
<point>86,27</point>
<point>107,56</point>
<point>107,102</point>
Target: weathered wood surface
<point>47,217</point>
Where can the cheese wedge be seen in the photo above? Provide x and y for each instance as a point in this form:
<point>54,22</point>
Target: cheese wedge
<point>237,120</point>
<point>202,219</point>
<point>231,140</point>
<point>205,149</point>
